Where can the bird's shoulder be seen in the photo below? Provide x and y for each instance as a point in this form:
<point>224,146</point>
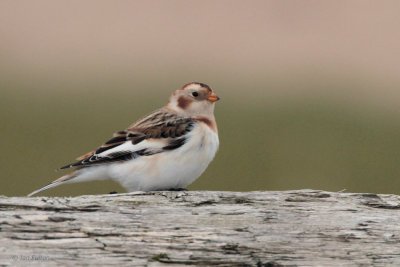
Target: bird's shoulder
<point>162,123</point>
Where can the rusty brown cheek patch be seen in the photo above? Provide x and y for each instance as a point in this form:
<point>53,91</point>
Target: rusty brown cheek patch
<point>184,102</point>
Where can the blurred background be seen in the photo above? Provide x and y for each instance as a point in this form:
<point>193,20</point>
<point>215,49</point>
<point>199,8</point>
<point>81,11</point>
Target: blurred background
<point>310,89</point>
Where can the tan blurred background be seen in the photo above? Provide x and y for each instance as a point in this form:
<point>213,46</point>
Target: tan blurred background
<point>310,89</point>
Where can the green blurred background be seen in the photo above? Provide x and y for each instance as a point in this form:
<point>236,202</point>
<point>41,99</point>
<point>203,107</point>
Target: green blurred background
<point>310,89</point>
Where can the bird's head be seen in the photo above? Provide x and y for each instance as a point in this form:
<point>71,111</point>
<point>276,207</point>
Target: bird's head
<point>193,99</point>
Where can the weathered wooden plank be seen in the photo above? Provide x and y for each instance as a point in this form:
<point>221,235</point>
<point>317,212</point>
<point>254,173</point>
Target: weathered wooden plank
<point>298,228</point>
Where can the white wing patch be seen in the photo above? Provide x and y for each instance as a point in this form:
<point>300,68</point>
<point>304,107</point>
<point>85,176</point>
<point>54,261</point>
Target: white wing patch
<point>128,147</point>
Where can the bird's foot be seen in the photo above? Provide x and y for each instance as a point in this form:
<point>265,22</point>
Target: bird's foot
<point>177,189</point>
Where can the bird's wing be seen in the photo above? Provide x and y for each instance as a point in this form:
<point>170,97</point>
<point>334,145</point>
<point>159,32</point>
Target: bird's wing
<point>156,133</point>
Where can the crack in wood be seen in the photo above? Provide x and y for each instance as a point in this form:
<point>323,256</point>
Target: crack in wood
<point>282,228</point>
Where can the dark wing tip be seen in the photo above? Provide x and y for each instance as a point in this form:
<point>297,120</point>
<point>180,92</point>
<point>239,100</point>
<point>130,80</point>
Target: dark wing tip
<point>75,164</point>
<point>64,167</point>
<point>118,138</point>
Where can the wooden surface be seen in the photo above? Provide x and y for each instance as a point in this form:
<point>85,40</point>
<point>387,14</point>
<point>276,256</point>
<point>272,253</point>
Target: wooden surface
<point>286,228</point>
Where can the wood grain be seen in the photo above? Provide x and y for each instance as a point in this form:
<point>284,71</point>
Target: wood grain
<point>285,228</point>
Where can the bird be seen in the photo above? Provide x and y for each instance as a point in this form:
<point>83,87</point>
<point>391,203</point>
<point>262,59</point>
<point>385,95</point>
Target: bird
<point>165,150</point>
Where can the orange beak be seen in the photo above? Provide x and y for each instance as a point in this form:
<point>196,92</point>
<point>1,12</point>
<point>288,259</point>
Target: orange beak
<point>213,97</point>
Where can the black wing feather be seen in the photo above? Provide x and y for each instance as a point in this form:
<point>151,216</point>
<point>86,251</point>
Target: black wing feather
<point>158,125</point>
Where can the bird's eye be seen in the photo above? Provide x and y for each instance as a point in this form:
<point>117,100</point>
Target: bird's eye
<point>195,94</point>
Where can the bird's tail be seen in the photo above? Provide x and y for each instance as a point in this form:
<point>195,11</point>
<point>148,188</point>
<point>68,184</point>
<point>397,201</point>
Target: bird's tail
<point>62,180</point>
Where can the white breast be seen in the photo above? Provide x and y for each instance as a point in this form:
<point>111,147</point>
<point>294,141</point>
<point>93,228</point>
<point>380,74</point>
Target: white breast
<point>172,169</point>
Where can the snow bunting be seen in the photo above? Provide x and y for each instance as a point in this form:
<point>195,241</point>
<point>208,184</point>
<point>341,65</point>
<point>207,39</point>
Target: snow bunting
<point>168,149</point>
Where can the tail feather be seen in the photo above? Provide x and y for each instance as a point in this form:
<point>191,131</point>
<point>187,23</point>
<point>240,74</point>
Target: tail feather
<point>55,183</point>
<point>50,185</point>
